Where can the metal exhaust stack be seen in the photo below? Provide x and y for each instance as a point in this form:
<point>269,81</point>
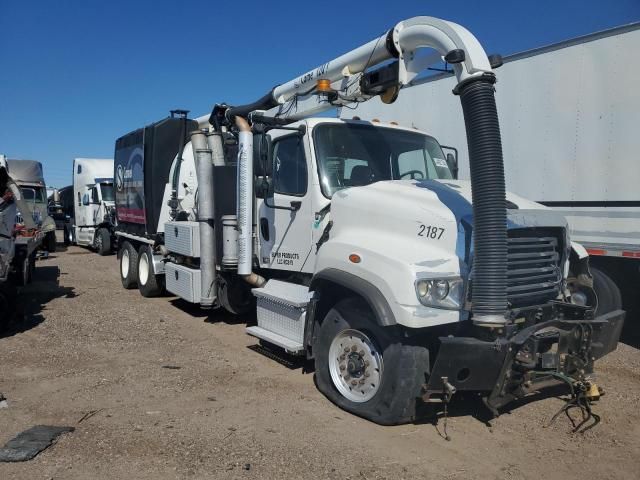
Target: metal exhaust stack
<point>245,204</point>
<point>214,139</point>
<point>206,216</point>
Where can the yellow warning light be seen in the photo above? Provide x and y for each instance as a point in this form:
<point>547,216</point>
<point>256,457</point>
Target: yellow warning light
<point>324,85</point>
<point>393,123</point>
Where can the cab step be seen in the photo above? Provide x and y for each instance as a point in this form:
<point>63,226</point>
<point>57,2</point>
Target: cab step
<point>287,344</point>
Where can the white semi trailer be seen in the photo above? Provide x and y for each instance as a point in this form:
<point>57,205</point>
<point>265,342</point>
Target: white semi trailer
<point>569,114</point>
<point>93,220</point>
<point>355,244</point>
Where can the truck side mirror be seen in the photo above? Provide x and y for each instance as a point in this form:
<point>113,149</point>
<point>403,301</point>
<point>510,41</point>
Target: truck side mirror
<point>452,160</point>
<point>262,150</point>
<point>85,199</point>
<point>263,187</point>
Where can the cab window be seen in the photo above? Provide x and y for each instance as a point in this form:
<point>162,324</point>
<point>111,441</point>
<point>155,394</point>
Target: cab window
<point>289,166</point>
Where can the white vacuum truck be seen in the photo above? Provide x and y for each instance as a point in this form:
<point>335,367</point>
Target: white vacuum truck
<point>356,245</point>
<point>93,220</point>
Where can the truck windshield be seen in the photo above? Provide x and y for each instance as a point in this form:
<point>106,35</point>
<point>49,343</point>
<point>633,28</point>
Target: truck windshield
<point>107,192</point>
<point>34,194</point>
<point>352,155</point>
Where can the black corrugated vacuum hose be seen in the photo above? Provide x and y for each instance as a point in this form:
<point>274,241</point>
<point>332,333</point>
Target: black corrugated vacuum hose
<point>489,288</point>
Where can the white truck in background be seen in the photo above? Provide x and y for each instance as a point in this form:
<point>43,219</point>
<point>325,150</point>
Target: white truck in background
<point>356,246</point>
<point>93,220</point>
<point>569,114</point>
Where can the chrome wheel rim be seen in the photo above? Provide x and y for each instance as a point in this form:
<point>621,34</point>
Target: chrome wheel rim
<point>98,242</point>
<point>124,264</point>
<point>355,365</point>
<point>143,269</point>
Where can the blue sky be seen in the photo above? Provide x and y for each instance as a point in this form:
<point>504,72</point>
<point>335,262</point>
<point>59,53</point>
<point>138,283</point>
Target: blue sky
<point>75,75</point>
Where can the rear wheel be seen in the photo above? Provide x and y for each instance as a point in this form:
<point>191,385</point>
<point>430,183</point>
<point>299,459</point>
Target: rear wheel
<point>149,284</point>
<point>366,369</point>
<point>102,242</point>
<point>128,266</point>
<point>608,293</point>
<point>234,294</point>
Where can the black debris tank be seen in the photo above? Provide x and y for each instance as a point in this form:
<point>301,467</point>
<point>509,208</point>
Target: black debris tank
<point>142,163</point>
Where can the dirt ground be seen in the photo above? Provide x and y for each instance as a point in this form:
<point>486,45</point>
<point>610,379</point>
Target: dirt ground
<point>156,389</point>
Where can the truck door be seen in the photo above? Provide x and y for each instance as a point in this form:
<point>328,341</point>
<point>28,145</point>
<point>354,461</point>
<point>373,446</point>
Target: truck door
<point>285,232</point>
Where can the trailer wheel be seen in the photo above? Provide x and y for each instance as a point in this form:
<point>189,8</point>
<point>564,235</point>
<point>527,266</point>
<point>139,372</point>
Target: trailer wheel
<point>365,369</point>
<point>608,293</point>
<point>149,284</point>
<point>128,266</point>
<point>102,242</point>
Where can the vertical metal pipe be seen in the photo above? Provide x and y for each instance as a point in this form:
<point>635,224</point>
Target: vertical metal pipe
<point>206,218</point>
<point>214,139</point>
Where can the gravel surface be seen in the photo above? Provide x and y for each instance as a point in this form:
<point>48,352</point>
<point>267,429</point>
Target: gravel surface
<point>156,389</point>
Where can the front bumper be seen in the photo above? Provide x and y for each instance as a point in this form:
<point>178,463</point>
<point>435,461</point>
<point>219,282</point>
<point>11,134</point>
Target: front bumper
<point>528,360</point>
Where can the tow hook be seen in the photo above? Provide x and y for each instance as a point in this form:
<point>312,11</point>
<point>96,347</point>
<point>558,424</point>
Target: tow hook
<point>448,391</point>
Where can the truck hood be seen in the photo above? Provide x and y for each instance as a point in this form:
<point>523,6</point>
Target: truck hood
<point>413,216</point>
<point>456,195</point>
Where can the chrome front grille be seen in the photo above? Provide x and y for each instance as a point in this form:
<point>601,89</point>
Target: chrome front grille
<point>534,273</point>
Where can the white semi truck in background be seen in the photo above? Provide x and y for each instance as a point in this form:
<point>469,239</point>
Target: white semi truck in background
<point>37,230</point>
<point>355,244</point>
<point>93,216</point>
<point>569,113</point>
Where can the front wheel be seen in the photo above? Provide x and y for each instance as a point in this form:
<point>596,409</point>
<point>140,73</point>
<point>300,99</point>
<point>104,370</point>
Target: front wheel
<point>367,369</point>
<point>607,292</point>
<point>102,242</point>
<point>68,235</point>
<point>149,284</point>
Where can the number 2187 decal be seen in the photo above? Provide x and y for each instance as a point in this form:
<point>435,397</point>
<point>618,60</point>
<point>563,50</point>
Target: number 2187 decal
<point>430,232</point>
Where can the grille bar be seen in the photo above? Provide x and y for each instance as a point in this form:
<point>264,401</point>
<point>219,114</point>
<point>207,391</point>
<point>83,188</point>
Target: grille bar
<point>533,268</point>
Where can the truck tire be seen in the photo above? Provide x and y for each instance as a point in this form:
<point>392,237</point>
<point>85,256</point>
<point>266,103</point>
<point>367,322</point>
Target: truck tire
<point>149,284</point>
<point>68,235</point>
<point>23,271</point>
<point>128,266</point>
<point>608,293</point>
<point>234,294</point>
<point>366,369</point>
<point>102,242</point>
<point>51,242</point>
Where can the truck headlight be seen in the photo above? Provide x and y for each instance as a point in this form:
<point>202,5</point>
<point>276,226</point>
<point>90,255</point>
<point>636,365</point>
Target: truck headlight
<point>440,292</point>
